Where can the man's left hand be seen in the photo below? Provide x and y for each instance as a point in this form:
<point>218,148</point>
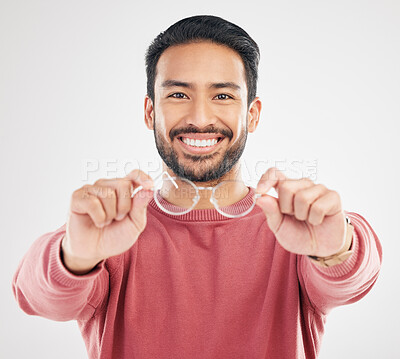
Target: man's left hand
<point>306,218</point>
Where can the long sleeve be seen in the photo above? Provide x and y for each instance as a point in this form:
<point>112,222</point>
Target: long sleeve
<point>198,285</point>
<point>349,281</point>
<point>43,286</point>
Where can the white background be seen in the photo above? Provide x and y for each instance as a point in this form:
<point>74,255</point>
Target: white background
<point>72,85</point>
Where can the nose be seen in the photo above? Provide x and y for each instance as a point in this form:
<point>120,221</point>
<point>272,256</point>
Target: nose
<point>200,113</point>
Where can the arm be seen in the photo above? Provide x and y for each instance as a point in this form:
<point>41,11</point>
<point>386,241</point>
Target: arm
<point>349,281</point>
<point>43,286</point>
<point>103,221</point>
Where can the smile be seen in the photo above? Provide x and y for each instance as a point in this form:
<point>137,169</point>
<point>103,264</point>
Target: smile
<point>200,143</point>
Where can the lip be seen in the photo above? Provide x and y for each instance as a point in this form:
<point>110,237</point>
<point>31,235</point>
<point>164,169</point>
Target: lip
<point>200,150</point>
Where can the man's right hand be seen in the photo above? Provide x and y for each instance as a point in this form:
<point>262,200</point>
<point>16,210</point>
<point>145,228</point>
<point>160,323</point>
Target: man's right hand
<point>104,220</point>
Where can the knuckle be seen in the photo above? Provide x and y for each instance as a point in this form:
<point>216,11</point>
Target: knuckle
<point>81,193</point>
<point>104,192</point>
<point>135,174</point>
<point>317,210</point>
<point>111,193</point>
<point>99,182</point>
<point>268,174</point>
<point>301,198</point>
<point>321,186</point>
<point>271,173</point>
<point>336,196</point>
<point>123,187</point>
<point>104,181</point>
<point>286,187</point>
<point>92,203</point>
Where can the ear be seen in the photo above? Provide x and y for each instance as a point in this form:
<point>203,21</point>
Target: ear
<point>148,113</point>
<point>254,114</point>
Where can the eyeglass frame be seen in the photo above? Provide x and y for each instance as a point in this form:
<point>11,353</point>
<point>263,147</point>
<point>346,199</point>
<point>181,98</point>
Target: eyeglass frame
<point>196,197</point>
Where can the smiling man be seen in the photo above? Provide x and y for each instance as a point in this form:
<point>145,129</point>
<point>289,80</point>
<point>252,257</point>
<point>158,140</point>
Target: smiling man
<point>199,109</point>
<point>200,103</point>
<point>185,273</point>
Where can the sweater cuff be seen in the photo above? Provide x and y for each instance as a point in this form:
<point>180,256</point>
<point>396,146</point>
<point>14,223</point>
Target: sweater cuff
<point>61,274</point>
<point>345,267</point>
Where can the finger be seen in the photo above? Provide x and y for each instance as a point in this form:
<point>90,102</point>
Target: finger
<point>327,205</point>
<point>108,199</point>
<point>270,207</point>
<point>139,178</point>
<point>122,188</point>
<point>287,191</point>
<point>304,198</point>
<point>271,178</point>
<point>138,211</point>
<point>83,202</point>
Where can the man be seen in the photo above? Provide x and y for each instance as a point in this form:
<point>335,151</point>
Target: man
<point>146,277</point>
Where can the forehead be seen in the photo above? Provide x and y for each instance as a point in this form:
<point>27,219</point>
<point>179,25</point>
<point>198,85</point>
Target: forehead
<point>200,63</point>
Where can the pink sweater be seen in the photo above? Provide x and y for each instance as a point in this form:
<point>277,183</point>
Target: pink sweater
<point>198,285</point>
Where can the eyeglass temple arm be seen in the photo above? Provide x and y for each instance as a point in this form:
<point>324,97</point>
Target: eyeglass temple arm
<point>258,195</point>
<point>137,189</point>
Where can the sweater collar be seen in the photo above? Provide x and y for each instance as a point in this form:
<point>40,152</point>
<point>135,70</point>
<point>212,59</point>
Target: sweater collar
<point>199,215</point>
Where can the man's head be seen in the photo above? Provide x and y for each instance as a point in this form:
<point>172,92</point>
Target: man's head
<point>201,85</point>
<point>206,28</point>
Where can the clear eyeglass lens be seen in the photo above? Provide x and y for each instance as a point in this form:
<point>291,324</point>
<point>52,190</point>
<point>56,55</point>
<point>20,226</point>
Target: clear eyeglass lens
<point>171,191</point>
<point>222,196</point>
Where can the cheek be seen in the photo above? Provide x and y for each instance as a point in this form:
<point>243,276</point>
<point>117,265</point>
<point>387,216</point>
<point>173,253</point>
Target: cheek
<point>165,121</point>
<point>236,121</point>
<point>240,131</point>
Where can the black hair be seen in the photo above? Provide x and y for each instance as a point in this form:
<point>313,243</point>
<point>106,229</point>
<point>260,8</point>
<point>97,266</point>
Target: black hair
<point>206,28</point>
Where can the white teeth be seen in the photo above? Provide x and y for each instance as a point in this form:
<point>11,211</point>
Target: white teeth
<point>199,143</point>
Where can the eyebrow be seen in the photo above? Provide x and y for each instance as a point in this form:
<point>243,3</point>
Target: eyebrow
<point>215,85</point>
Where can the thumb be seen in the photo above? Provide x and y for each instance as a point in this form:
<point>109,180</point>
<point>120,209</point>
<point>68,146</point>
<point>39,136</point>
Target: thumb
<point>138,210</point>
<point>270,207</point>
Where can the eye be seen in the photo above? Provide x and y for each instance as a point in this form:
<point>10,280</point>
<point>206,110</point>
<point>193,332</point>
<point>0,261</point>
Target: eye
<point>177,95</point>
<point>223,96</point>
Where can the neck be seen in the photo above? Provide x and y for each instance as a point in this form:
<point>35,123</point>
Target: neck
<point>232,191</point>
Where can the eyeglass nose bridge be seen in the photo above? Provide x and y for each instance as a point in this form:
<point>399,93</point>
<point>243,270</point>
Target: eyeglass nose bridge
<point>212,200</point>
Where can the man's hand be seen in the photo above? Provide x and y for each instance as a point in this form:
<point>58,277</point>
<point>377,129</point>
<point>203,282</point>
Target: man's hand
<point>104,220</point>
<point>306,218</point>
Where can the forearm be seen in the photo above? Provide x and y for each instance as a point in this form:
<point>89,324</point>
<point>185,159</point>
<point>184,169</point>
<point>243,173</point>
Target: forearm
<point>43,286</point>
<point>346,282</point>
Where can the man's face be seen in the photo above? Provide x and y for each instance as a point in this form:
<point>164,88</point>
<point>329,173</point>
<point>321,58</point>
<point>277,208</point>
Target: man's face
<point>200,115</point>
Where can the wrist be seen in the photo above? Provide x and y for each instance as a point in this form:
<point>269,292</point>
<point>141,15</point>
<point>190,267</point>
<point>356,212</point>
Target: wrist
<point>344,253</point>
<point>77,266</point>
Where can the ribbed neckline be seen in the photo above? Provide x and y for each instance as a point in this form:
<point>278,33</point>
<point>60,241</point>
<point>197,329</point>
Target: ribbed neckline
<point>209,214</point>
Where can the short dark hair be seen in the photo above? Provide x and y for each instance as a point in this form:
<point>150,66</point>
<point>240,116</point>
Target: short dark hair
<point>206,28</point>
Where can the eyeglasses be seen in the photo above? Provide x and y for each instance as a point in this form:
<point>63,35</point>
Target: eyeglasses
<point>188,193</point>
